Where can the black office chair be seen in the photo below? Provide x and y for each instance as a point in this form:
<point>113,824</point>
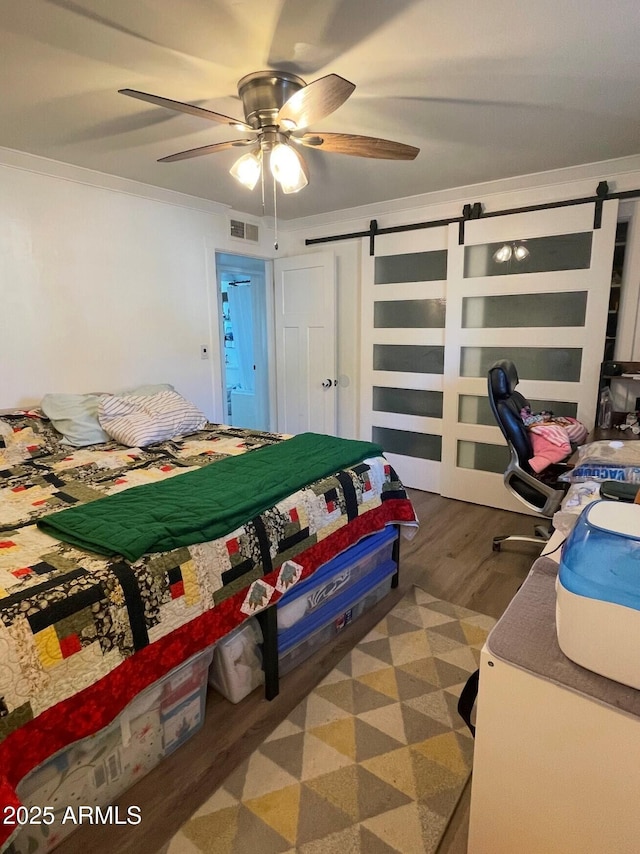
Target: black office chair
<point>539,492</point>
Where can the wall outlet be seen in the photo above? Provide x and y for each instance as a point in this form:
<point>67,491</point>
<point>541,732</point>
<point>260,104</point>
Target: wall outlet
<point>204,351</point>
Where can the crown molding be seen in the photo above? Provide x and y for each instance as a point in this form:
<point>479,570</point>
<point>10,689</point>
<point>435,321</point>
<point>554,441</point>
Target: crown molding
<point>80,175</point>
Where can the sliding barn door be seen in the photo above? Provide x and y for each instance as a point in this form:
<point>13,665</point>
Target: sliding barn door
<point>546,312</point>
<point>403,329</point>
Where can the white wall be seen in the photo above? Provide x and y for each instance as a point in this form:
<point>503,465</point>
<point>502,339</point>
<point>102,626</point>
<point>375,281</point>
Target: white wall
<point>105,283</point>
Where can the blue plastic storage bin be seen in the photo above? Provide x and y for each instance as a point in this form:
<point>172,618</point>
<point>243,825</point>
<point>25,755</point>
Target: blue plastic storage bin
<point>335,576</point>
<point>321,626</point>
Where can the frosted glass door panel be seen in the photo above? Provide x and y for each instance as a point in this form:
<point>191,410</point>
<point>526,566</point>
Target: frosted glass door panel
<point>473,409</point>
<point>408,358</point>
<point>409,314</point>
<point>483,457</point>
<point>533,363</point>
<point>409,444</point>
<point>523,310</point>
<point>410,267</point>
<point>545,254</point>
<point>408,401</point>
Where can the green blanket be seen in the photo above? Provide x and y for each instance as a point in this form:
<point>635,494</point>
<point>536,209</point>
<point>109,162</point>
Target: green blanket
<point>203,505</point>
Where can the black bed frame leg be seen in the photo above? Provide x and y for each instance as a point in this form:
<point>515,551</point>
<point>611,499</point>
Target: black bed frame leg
<point>268,621</point>
<point>395,555</point>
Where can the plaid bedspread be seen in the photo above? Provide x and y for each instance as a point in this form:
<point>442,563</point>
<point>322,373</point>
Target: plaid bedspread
<point>80,634</point>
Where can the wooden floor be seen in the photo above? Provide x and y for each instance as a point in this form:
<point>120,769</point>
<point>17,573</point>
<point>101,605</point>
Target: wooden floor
<point>450,557</point>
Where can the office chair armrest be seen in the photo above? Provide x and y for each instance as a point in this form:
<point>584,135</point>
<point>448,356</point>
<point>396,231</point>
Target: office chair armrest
<point>554,474</point>
<point>526,488</point>
<point>563,466</point>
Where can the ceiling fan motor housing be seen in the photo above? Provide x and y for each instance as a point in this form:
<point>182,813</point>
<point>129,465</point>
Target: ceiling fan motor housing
<point>263,93</point>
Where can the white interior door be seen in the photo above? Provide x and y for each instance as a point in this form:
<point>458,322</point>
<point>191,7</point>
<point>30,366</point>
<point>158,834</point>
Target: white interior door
<point>547,313</point>
<point>305,332</point>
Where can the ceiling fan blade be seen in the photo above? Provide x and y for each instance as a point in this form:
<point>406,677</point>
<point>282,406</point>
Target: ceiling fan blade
<point>359,146</point>
<point>315,101</point>
<point>206,149</point>
<point>191,109</point>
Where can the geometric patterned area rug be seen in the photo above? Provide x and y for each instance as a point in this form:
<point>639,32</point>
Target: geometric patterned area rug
<point>374,760</point>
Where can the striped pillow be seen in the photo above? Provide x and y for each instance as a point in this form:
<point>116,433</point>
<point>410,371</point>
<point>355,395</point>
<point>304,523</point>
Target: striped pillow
<point>140,420</point>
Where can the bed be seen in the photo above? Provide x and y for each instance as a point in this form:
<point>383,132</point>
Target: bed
<point>82,633</point>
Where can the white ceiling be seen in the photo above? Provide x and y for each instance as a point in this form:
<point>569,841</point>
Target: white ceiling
<point>486,89</point>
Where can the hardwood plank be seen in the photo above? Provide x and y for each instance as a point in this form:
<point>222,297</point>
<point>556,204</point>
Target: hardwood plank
<point>451,557</point>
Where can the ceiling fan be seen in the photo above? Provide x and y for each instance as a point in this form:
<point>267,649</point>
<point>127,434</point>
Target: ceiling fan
<point>278,107</point>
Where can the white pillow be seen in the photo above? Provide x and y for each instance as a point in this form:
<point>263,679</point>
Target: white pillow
<point>76,417</point>
<point>139,420</point>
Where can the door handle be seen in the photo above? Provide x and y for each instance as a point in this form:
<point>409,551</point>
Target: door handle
<point>327,383</point>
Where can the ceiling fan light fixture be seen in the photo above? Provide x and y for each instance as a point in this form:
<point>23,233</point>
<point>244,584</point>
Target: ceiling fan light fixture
<point>517,251</point>
<point>247,169</point>
<point>503,254</point>
<point>287,168</point>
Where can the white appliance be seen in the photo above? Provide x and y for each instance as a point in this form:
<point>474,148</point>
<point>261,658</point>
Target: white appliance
<point>598,592</point>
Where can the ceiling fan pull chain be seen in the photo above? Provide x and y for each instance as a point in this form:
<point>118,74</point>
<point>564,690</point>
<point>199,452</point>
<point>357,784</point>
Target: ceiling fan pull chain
<point>275,215</point>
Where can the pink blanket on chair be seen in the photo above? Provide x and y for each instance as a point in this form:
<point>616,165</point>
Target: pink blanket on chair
<point>550,444</point>
<point>552,440</point>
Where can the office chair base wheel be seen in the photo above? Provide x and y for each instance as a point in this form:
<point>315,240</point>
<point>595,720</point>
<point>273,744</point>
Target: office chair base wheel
<point>542,532</point>
<point>541,537</point>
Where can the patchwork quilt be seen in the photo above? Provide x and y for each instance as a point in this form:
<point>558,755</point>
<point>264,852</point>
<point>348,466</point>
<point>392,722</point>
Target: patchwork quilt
<point>82,634</point>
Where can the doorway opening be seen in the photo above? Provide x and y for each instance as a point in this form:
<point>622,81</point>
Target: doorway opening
<point>243,310</point>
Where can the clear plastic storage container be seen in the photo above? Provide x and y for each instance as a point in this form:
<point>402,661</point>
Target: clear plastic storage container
<point>236,669</point>
<point>94,771</point>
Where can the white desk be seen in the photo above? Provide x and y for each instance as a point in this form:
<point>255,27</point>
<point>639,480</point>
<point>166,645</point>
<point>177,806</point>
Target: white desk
<point>557,752</point>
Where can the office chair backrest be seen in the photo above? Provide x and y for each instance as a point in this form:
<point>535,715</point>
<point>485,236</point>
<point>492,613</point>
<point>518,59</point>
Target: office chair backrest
<point>506,404</point>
